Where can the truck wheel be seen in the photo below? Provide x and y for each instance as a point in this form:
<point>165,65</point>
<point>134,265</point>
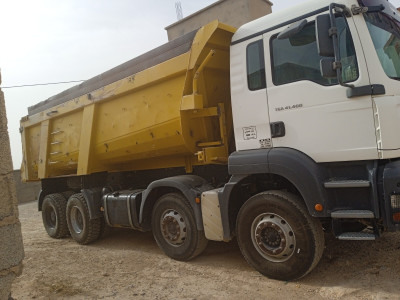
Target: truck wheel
<point>53,215</point>
<point>278,237</point>
<point>174,228</point>
<point>82,229</point>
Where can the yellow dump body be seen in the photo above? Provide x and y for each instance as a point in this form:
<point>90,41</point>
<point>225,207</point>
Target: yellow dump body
<point>171,114</point>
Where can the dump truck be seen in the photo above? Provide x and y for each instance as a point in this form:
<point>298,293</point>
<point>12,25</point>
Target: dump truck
<point>275,133</point>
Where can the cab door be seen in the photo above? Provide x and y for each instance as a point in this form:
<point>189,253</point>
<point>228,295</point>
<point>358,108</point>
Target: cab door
<point>249,95</point>
<point>318,118</point>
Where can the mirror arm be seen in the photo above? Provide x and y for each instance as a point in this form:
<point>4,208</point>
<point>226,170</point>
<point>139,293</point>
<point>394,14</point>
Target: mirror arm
<point>333,33</point>
<point>343,9</point>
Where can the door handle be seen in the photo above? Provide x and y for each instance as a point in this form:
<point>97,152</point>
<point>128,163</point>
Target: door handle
<point>277,129</point>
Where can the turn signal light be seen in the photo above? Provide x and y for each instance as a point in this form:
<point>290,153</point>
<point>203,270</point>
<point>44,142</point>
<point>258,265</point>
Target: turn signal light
<point>197,200</point>
<point>318,207</point>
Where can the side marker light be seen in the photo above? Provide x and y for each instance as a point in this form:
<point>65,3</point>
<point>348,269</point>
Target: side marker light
<point>318,207</point>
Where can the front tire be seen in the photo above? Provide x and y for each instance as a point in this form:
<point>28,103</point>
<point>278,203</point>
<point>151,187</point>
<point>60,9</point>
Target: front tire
<point>174,228</point>
<point>278,237</point>
<point>83,230</point>
<point>54,215</point>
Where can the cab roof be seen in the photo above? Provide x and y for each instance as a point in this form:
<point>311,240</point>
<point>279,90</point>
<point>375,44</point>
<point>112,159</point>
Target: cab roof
<point>284,17</point>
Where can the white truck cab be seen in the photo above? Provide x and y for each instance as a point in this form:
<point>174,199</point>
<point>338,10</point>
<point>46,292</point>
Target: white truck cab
<point>316,111</point>
<point>283,85</point>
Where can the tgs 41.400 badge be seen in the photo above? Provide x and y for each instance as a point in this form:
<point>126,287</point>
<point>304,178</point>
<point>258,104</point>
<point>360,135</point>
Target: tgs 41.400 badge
<point>289,107</point>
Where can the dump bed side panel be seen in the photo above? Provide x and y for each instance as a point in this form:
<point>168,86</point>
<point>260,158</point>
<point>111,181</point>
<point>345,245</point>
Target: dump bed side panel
<point>174,113</point>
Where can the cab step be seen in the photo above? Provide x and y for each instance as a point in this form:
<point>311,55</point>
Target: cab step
<point>337,184</point>
<point>352,214</point>
<point>356,236</point>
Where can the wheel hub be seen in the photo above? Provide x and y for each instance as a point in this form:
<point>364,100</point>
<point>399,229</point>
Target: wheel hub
<point>76,219</point>
<point>51,217</point>
<point>173,227</point>
<point>273,237</point>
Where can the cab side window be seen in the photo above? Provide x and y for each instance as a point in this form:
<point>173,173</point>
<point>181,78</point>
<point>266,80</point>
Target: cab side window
<point>297,58</point>
<point>255,66</point>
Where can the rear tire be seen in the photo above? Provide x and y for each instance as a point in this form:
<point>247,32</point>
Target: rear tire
<point>174,228</point>
<point>54,215</point>
<point>82,229</point>
<point>278,237</point>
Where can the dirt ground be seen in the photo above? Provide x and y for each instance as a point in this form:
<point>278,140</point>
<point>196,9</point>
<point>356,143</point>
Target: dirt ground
<point>128,264</point>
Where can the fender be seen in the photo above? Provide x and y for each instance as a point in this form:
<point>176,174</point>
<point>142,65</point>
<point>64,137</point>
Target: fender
<point>190,186</point>
<point>51,186</point>
<point>93,200</point>
<point>303,172</point>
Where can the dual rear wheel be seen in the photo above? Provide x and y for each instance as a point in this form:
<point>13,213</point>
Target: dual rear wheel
<point>68,213</point>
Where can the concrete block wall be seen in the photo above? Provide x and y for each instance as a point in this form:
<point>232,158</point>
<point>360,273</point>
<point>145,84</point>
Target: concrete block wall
<point>11,248</point>
<point>26,191</point>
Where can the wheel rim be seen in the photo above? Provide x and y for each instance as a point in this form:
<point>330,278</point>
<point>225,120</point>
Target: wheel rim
<point>273,237</point>
<point>51,217</point>
<point>76,219</point>
<point>173,227</point>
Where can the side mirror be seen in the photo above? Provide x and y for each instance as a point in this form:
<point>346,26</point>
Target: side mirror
<point>292,29</point>
<point>324,41</point>
<point>327,69</point>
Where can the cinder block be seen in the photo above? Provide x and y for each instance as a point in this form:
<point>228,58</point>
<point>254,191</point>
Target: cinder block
<point>8,199</point>
<point>3,116</point>
<point>5,152</point>
<point>11,249</point>
<point>5,285</point>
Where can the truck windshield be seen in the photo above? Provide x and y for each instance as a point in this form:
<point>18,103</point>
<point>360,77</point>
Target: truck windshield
<point>385,34</point>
